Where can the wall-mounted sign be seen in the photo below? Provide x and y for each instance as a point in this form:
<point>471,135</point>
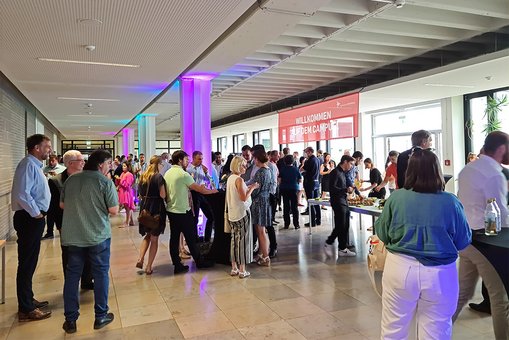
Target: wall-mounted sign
<point>330,119</point>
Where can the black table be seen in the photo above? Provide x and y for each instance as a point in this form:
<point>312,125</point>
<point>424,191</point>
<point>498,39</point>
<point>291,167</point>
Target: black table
<point>220,249</point>
<point>496,250</point>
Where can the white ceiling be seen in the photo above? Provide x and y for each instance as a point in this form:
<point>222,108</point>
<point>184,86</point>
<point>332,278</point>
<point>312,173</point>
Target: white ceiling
<point>284,48</point>
<point>162,36</point>
<point>341,39</point>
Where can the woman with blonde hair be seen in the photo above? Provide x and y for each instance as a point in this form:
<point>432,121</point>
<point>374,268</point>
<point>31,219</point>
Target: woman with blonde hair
<point>238,202</point>
<point>152,191</point>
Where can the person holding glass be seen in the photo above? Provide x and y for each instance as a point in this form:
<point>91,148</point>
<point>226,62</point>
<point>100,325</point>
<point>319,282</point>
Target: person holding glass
<point>238,202</point>
<point>423,228</point>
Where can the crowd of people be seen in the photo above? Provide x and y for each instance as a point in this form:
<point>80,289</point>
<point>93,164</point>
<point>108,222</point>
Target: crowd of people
<point>423,227</point>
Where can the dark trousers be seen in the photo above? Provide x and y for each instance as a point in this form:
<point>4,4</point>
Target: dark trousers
<point>86,275</point>
<point>273,205</point>
<point>199,202</point>
<point>29,231</point>
<point>315,213</point>
<point>290,205</point>
<point>50,223</point>
<point>183,223</point>
<point>341,225</point>
<point>99,257</point>
<point>485,295</point>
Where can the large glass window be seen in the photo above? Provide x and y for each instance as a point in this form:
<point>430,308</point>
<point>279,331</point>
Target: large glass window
<point>262,137</point>
<point>222,145</point>
<point>238,142</point>
<point>338,147</point>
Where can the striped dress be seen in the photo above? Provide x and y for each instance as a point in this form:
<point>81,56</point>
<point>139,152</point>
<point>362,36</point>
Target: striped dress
<point>241,245</point>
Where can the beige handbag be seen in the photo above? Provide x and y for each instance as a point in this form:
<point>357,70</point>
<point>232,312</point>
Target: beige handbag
<point>376,262</point>
<point>227,226</point>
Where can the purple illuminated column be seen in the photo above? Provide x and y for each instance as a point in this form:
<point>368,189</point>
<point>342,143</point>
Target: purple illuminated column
<point>127,141</point>
<point>195,115</point>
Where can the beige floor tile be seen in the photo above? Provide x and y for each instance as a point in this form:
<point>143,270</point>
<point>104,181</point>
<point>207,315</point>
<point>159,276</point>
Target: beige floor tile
<point>44,329</point>
<point>192,306</point>
<point>251,315</point>
<point>142,298</point>
<point>274,293</point>
<point>294,308</point>
<point>360,318</point>
<point>311,287</point>
<point>349,336</point>
<point>105,333</point>
<point>318,326</point>
<point>230,335</point>
<point>334,301</point>
<point>279,330</point>
<point>167,329</point>
<point>133,287</point>
<point>233,300</point>
<point>203,324</point>
<point>144,314</point>
<point>365,295</point>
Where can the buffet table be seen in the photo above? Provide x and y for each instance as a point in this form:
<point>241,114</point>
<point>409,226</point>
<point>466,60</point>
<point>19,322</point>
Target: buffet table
<point>372,211</point>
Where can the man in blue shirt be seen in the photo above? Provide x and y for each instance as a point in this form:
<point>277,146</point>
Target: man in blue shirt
<point>30,197</point>
<point>312,185</point>
<point>200,174</point>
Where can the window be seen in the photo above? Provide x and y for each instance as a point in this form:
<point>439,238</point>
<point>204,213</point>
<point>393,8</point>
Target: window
<point>238,142</point>
<point>222,145</point>
<point>262,137</point>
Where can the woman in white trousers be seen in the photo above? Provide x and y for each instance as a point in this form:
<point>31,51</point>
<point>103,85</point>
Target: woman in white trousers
<point>423,228</point>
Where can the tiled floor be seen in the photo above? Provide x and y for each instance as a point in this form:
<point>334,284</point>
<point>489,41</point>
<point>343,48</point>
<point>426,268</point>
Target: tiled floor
<point>303,295</point>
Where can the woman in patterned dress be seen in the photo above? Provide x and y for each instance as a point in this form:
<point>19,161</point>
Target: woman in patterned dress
<point>261,213</point>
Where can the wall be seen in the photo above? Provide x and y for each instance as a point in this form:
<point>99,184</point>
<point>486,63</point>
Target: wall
<point>18,119</point>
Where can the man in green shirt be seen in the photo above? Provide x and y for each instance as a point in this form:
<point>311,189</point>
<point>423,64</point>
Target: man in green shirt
<point>180,213</point>
<point>88,198</point>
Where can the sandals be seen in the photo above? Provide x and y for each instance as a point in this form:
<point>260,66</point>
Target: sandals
<point>148,272</point>
<point>234,272</point>
<point>264,262</point>
<point>139,265</point>
<point>244,274</point>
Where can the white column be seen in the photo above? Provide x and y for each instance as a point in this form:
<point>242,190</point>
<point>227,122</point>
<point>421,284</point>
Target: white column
<point>453,139</point>
<point>195,120</point>
<point>147,135</point>
<point>127,141</point>
<point>118,146</point>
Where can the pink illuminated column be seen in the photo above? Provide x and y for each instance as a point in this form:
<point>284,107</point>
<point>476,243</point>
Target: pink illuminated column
<point>195,115</point>
<point>127,141</point>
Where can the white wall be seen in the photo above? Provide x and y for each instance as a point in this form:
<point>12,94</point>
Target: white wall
<point>453,139</point>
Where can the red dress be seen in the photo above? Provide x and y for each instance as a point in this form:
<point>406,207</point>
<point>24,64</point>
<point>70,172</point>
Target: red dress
<point>125,190</point>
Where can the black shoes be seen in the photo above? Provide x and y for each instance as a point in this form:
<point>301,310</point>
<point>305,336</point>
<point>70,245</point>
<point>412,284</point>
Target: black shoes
<point>48,236</point>
<point>313,225</point>
<point>297,227</point>
<point>101,322</point>
<point>70,327</point>
<point>275,222</point>
<point>40,304</point>
<point>180,269</point>
<point>272,253</point>
<point>287,226</point>
<point>87,286</point>
<point>305,212</point>
<point>204,264</point>
<point>481,307</point>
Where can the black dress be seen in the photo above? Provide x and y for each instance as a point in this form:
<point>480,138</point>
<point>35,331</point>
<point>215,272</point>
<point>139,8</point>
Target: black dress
<point>153,203</point>
<point>326,178</point>
<point>375,177</point>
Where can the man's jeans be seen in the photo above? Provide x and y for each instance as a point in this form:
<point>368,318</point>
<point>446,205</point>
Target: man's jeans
<point>99,256</point>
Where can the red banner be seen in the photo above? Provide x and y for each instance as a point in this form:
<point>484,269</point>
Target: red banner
<point>331,119</point>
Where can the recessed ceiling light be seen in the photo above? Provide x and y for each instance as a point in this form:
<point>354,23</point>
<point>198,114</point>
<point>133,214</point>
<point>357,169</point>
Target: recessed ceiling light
<point>87,62</point>
<point>89,99</point>
<point>90,22</point>
<point>450,85</point>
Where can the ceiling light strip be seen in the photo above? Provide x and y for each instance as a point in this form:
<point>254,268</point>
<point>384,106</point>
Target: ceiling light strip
<point>90,99</point>
<point>87,62</point>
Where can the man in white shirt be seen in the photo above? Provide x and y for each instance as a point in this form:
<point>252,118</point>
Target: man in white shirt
<point>218,163</point>
<point>166,164</point>
<point>478,182</point>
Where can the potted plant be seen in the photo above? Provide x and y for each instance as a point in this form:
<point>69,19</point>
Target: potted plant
<point>493,108</point>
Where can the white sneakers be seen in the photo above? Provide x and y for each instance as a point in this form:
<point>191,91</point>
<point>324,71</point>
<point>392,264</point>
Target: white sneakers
<point>328,249</point>
<point>346,252</point>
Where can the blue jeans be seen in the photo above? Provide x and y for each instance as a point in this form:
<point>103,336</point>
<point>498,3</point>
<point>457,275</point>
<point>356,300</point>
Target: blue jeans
<point>99,256</point>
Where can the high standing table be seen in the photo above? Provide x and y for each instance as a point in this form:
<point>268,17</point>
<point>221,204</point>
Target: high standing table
<point>496,250</point>
<point>2,245</point>
<point>365,210</point>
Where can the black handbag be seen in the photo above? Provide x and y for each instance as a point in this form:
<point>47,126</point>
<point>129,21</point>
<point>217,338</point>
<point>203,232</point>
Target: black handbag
<point>145,218</point>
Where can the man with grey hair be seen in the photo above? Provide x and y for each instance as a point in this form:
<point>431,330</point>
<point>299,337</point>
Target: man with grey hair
<point>166,163</point>
<point>74,162</point>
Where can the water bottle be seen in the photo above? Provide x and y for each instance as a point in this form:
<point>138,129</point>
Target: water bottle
<point>499,220</point>
<point>491,218</point>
